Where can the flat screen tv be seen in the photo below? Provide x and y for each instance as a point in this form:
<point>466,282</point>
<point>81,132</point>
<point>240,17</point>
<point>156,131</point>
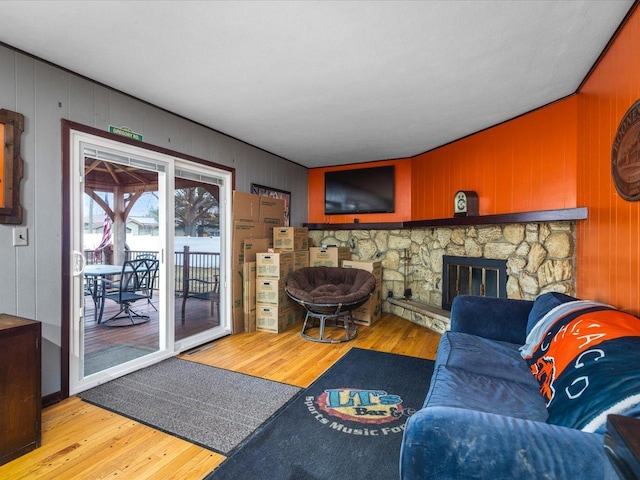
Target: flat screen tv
<point>363,190</point>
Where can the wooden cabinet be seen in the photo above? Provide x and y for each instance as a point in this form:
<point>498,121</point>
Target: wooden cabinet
<point>20,391</point>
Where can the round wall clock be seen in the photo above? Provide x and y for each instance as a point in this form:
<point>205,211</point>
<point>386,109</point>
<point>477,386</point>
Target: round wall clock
<point>625,155</point>
<point>465,203</point>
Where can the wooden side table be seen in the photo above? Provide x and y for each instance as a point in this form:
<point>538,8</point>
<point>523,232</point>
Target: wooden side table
<point>20,386</point>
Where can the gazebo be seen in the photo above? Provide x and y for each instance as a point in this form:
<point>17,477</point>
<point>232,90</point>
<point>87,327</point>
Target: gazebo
<point>126,184</point>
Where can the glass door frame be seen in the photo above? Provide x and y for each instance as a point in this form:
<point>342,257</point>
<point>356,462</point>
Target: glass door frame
<point>74,382</point>
<point>225,193</point>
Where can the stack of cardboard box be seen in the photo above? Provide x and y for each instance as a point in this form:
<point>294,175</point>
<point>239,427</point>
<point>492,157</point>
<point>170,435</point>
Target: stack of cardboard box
<point>254,217</point>
<point>293,239</point>
<point>259,299</point>
<point>371,311</point>
<point>275,310</point>
<point>250,247</point>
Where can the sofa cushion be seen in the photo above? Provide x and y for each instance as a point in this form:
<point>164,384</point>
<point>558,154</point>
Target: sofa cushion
<point>459,388</point>
<point>544,304</point>
<point>584,355</point>
<point>485,357</point>
<point>495,318</point>
<point>450,443</point>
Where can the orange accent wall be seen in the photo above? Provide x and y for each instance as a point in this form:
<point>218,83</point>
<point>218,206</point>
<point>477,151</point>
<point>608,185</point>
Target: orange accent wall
<point>608,253</point>
<point>526,164</point>
<point>402,187</point>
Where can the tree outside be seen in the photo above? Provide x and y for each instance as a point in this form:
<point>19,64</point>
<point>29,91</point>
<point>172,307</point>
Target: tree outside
<point>196,212</point>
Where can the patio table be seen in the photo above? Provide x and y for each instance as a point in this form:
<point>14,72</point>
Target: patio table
<point>95,275</point>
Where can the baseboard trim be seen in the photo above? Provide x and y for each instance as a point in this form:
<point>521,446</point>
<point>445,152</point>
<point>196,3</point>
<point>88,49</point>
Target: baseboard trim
<point>51,399</point>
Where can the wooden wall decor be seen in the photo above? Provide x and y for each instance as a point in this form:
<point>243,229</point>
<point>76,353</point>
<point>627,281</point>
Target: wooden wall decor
<point>11,167</point>
<point>625,155</point>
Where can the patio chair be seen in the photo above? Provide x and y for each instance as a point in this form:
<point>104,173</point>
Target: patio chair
<point>152,256</point>
<point>137,281</point>
<point>203,290</point>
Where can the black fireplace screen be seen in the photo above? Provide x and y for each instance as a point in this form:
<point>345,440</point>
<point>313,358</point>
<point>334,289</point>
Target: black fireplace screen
<point>472,276</point>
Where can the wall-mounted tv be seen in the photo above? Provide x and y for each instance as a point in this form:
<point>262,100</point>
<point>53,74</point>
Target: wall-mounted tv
<point>363,190</point>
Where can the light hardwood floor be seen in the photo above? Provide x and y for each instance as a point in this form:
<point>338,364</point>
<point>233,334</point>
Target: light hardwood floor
<point>81,441</point>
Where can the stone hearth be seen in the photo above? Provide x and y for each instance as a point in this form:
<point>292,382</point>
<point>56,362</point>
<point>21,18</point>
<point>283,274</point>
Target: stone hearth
<point>540,258</point>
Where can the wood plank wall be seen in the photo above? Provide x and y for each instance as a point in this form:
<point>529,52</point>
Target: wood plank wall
<point>526,164</point>
<point>608,257</point>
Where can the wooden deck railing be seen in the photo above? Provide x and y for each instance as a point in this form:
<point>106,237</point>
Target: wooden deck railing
<point>203,267</point>
<point>95,257</point>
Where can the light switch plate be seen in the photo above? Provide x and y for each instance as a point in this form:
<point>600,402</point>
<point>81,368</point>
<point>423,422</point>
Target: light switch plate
<point>20,236</point>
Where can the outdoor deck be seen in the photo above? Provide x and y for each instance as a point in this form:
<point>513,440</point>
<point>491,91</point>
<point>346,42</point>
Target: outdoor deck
<point>106,346</point>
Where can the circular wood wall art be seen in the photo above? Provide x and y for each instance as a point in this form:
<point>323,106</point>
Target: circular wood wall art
<point>625,155</point>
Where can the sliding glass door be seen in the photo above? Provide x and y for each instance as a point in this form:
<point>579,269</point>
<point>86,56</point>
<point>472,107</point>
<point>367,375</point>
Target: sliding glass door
<point>121,237</point>
<point>148,235</point>
<point>199,215</point>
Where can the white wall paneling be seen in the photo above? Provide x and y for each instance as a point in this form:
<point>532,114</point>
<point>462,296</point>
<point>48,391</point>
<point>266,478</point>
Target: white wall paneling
<point>45,94</point>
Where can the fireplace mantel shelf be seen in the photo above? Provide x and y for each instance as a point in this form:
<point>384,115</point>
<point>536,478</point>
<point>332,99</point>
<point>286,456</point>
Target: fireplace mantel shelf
<point>566,214</point>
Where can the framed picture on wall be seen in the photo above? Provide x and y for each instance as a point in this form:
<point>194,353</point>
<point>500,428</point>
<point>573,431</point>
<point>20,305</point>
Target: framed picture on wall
<point>275,193</point>
<point>11,166</point>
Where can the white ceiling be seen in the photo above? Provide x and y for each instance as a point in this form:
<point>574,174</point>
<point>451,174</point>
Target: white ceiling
<point>327,82</point>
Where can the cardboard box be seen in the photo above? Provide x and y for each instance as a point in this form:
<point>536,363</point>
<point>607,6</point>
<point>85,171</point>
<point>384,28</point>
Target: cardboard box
<point>252,246</point>
<point>270,318</point>
<point>371,311</point>
<point>257,208</point>
<point>250,321</point>
<point>270,291</point>
<point>243,249</point>
<point>274,265</point>
<point>328,257</point>
<point>287,239</point>
<point>249,287</point>
<point>372,267</point>
<point>243,229</point>
<point>251,233</point>
<point>237,285</point>
<point>245,206</point>
<point>237,320</point>
<point>237,310</point>
<point>300,260</point>
<point>271,209</point>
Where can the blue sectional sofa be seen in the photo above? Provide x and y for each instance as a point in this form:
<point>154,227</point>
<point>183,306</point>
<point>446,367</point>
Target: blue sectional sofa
<point>522,389</point>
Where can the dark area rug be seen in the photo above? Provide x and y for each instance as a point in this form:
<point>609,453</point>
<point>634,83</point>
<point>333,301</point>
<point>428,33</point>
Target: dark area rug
<point>209,406</point>
<point>347,425</point>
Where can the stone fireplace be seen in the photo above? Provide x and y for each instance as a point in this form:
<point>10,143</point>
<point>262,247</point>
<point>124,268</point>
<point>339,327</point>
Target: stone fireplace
<point>472,276</point>
<point>539,257</point>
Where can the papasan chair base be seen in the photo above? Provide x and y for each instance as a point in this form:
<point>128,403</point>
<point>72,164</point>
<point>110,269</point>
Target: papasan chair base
<point>329,294</point>
<point>339,319</point>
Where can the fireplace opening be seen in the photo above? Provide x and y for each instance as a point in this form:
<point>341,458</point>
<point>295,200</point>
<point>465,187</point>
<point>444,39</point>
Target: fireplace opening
<point>472,276</point>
